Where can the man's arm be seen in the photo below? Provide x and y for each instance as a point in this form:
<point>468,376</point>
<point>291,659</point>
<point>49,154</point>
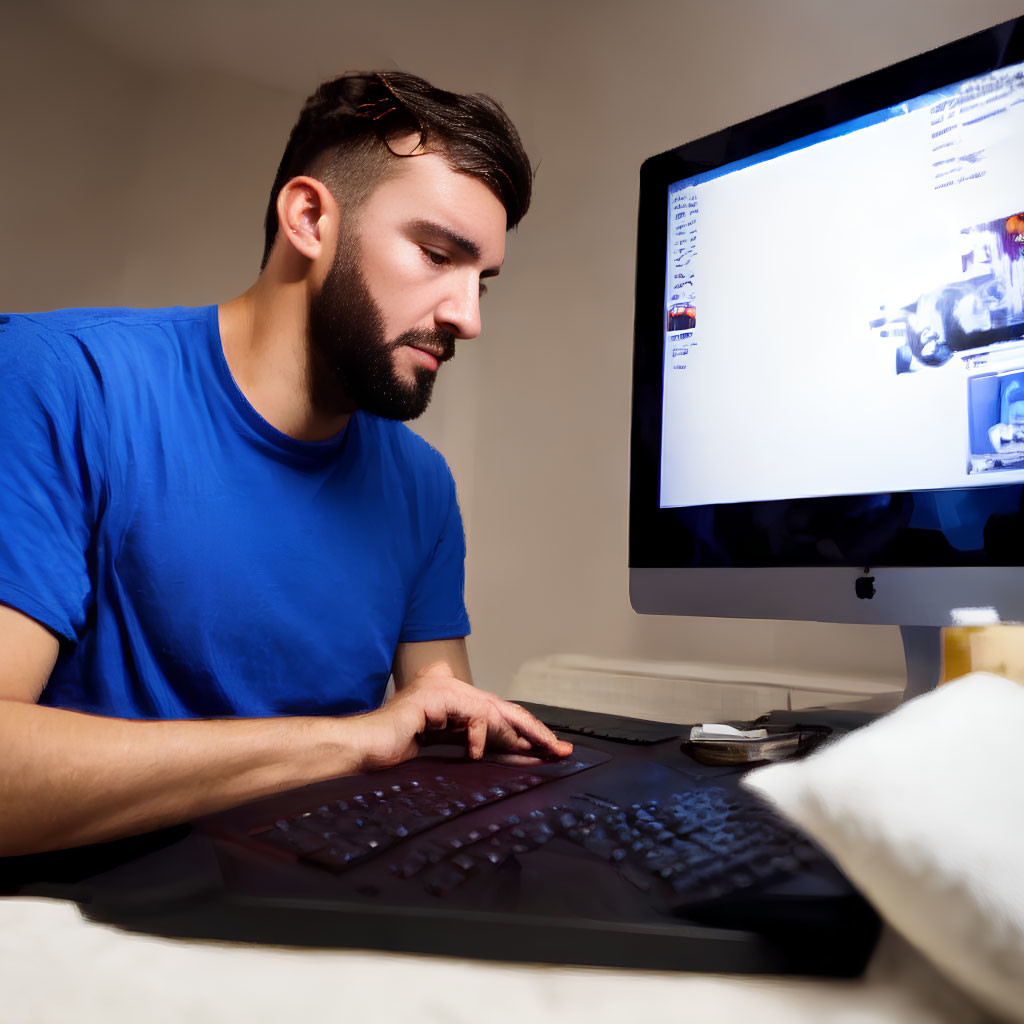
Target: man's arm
<point>412,658</point>
<point>68,778</point>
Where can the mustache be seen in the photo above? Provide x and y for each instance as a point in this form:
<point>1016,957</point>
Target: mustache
<point>440,343</point>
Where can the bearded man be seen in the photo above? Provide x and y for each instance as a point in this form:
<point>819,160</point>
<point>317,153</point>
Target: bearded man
<point>217,541</point>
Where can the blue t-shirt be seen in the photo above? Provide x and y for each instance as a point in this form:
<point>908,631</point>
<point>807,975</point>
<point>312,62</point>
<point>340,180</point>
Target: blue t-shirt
<point>194,560</point>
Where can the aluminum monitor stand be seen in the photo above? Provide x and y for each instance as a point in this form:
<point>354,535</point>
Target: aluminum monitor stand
<point>922,648</point>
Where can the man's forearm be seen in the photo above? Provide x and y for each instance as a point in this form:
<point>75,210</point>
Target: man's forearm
<point>68,778</point>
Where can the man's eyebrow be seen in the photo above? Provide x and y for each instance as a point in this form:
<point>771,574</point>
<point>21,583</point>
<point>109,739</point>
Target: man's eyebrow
<point>466,245</point>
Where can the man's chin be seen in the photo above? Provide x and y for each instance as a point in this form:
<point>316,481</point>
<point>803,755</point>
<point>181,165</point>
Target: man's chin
<point>414,410</point>
<point>401,403</point>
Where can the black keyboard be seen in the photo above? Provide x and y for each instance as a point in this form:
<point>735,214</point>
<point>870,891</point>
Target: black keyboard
<point>691,847</point>
<point>624,854</point>
<point>343,833</point>
<point>687,847</point>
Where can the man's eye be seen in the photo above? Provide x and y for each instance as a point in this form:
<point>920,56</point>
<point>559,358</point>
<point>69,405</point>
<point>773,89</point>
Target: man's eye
<point>439,259</point>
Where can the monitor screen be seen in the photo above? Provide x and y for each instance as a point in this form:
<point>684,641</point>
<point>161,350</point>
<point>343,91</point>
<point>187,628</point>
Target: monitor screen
<point>828,413</point>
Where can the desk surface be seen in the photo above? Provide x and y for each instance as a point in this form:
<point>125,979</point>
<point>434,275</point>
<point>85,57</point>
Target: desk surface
<point>55,966</point>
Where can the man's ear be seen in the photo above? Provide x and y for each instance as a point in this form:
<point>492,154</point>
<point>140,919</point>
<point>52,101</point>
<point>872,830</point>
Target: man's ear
<point>306,214</point>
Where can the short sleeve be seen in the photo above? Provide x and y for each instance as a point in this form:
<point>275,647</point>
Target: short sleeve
<point>48,494</point>
<point>437,605</point>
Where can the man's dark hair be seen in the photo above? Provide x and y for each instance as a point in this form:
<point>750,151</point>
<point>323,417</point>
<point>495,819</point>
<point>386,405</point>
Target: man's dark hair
<point>343,138</point>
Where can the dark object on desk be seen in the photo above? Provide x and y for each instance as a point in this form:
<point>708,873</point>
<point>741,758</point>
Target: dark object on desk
<point>840,720</point>
<point>689,847</point>
<point>603,726</point>
<point>615,856</point>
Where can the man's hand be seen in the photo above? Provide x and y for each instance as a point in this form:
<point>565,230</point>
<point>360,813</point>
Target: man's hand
<point>436,702</point>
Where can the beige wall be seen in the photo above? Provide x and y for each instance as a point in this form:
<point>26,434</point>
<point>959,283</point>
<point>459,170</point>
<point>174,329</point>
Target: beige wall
<point>139,140</point>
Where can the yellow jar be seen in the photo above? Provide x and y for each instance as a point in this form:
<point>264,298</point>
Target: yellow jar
<point>998,649</point>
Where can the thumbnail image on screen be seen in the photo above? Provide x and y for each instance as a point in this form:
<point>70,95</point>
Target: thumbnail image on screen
<point>983,305</point>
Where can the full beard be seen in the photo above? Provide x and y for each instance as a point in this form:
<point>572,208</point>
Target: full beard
<point>346,333</point>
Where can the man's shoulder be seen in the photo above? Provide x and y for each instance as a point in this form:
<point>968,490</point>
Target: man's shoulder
<point>88,338</point>
<point>91,321</point>
<point>79,351</point>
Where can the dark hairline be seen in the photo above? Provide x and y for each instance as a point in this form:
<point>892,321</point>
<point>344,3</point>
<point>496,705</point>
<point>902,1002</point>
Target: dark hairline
<point>365,112</point>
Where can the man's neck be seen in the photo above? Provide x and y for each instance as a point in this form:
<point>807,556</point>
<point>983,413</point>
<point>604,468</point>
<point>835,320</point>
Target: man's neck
<point>265,337</point>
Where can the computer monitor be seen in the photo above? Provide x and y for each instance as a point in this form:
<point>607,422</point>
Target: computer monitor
<point>828,390</point>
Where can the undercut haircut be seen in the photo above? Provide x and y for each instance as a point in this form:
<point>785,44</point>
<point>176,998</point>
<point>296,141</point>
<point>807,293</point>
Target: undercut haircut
<point>346,129</point>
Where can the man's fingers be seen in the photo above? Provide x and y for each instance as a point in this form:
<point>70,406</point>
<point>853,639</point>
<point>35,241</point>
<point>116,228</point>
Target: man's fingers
<point>476,737</point>
<point>436,722</point>
<point>517,731</point>
<point>537,732</point>
<point>452,706</point>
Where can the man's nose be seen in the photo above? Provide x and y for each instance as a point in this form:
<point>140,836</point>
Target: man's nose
<point>459,312</point>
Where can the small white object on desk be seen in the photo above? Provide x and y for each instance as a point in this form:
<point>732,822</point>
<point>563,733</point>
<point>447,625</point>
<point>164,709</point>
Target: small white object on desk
<point>718,731</point>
